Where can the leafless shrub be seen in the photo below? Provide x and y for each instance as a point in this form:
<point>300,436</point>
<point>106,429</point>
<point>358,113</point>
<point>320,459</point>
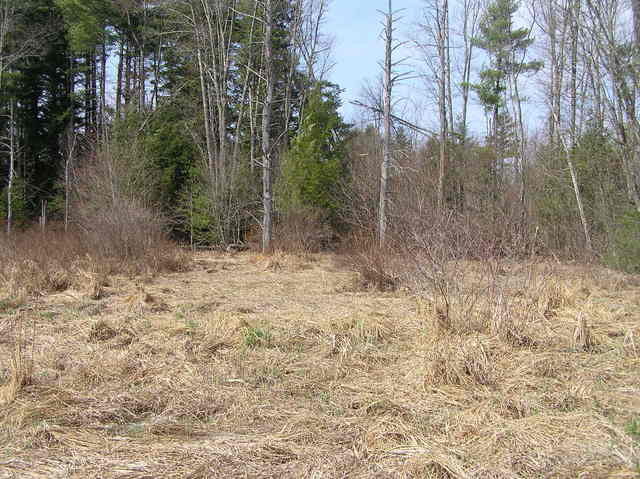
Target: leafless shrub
<point>377,266</point>
<point>114,209</point>
<point>512,321</point>
<point>35,262</point>
<point>630,344</point>
<point>115,229</point>
<point>304,231</point>
<point>445,264</point>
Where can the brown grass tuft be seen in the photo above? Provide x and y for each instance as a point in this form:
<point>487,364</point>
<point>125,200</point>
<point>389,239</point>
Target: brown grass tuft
<point>101,331</point>
<point>459,362</point>
<point>630,344</point>
<point>20,362</point>
<point>19,376</point>
<point>376,266</point>
<point>284,261</point>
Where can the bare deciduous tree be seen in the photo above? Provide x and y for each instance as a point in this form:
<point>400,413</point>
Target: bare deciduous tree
<point>390,78</point>
<point>435,30</point>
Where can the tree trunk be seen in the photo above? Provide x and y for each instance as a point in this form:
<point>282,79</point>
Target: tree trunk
<point>267,193</point>
<point>522,147</point>
<point>103,88</point>
<point>386,142</point>
<point>70,147</point>
<point>12,159</point>
<point>127,75</point>
<point>443,97</point>
<point>470,22</point>
<point>94,87</point>
<point>635,5</point>
<point>573,88</point>
<point>87,94</point>
<point>449,93</point>
<point>576,191</point>
<point>205,110</point>
<point>119,80</point>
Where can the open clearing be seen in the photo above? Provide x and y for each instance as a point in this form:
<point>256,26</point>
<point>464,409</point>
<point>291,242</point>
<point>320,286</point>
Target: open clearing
<point>247,366</point>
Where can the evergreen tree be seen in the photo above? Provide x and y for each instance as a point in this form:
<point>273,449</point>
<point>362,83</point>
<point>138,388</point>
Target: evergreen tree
<point>506,48</point>
<point>315,164</point>
<point>41,90</point>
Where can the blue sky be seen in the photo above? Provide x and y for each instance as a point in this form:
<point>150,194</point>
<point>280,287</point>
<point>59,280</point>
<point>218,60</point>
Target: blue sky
<point>358,48</point>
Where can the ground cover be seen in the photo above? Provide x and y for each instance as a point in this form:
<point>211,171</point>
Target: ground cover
<point>284,366</point>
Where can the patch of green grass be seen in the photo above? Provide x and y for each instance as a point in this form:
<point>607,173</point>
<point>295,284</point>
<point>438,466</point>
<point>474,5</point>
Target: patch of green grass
<point>191,325</point>
<point>257,336</point>
<point>268,376</point>
<point>8,305</point>
<point>128,429</point>
<point>633,429</point>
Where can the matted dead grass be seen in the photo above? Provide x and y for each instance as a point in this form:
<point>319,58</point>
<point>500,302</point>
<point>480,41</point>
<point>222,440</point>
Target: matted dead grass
<point>248,366</point>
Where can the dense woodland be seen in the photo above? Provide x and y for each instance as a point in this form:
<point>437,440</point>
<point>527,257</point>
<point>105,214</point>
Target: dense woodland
<point>214,121</point>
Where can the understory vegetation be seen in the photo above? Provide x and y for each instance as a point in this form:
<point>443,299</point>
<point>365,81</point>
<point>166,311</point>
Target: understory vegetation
<point>117,118</point>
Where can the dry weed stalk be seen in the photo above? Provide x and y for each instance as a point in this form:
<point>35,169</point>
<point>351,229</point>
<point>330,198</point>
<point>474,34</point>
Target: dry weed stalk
<point>139,300</point>
<point>555,295</point>
<point>629,343</point>
<point>507,325</point>
<point>582,337</point>
<point>95,282</point>
<point>442,320</point>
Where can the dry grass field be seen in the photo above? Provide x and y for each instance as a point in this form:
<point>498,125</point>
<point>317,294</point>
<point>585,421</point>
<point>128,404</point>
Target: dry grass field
<point>252,367</point>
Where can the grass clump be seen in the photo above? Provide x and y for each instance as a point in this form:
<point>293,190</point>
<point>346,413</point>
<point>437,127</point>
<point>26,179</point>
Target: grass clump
<point>257,336</point>
<point>456,361</point>
<point>633,428</point>
<point>20,369</point>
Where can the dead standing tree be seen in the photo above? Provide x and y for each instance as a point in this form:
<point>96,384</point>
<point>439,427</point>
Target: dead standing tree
<point>391,77</point>
<point>10,145</point>
<point>435,36</point>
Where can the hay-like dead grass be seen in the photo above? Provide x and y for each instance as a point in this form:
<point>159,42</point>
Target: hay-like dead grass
<point>34,263</point>
<point>459,361</point>
<point>251,370</point>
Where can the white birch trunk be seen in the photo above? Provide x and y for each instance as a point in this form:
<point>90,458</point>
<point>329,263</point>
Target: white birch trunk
<point>12,159</point>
